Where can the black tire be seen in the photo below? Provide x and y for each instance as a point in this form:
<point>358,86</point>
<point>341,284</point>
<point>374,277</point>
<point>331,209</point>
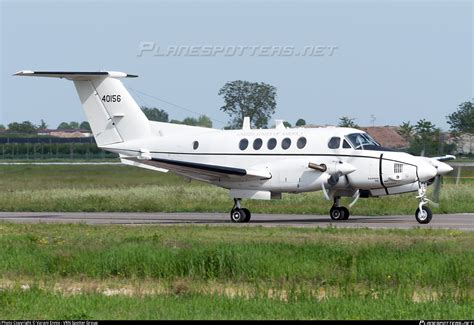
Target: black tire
<point>248,215</point>
<point>336,213</point>
<point>346,213</point>
<point>424,217</point>
<point>237,215</point>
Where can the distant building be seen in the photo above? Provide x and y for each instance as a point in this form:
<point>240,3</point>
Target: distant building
<point>66,133</point>
<point>464,144</point>
<point>387,136</point>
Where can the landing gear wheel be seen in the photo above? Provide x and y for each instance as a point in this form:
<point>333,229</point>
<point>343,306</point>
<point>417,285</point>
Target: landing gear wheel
<point>248,215</point>
<point>337,213</point>
<point>346,213</point>
<point>423,216</point>
<point>238,215</point>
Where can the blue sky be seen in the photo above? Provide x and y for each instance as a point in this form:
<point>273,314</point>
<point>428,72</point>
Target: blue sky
<point>395,60</point>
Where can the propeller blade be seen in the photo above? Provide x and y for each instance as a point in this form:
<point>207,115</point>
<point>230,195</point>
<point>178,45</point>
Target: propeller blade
<point>357,195</point>
<point>435,204</point>
<point>437,189</point>
<point>325,192</point>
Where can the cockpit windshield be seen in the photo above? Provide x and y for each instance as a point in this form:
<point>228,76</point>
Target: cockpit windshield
<point>360,141</point>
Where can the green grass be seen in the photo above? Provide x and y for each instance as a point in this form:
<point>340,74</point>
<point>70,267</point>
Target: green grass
<point>37,304</point>
<point>123,188</point>
<point>188,272</point>
<point>335,257</point>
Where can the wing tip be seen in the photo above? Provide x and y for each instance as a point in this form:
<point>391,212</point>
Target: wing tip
<point>24,73</point>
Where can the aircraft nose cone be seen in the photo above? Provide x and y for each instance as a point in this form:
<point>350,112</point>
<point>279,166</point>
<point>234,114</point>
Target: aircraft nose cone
<point>426,171</point>
<point>443,168</point>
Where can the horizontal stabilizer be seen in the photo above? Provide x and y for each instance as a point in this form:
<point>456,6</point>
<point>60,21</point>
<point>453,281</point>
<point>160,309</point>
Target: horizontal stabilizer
<point>75,75</point>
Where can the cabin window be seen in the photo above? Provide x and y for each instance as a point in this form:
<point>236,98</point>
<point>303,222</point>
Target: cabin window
<point>271,144</point>
<point>195,145</point>
<point>257,143</point>
<point>286,143</point>
<point>244,143</point>
<point>334,143</point>
<point>346,145</point>
<point>301,143</point>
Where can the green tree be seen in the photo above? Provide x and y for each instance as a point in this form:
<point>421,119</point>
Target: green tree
<point>204,121</point>
<point>427,140</point>
<point>85,126</point>
<point>252,99</point>
<point>287,124</point>
<point>23,127</point>
<point>347,122</point>
<point>462,122</point>
<point>73,125</point>
<point>155,114</point>
<point>43,125</point>
<point>300,122</point>
<point>64,126</point>
<point>406,130</point>
<point>189,121</point>
<point>2,127</point>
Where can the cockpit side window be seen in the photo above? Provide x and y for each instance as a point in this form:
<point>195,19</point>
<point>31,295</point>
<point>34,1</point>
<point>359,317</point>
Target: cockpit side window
<point>346,144</point>
<point>361,140</point>
<point>334,143</point>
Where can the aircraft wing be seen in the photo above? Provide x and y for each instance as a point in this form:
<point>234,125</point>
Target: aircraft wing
<point>207,172</point>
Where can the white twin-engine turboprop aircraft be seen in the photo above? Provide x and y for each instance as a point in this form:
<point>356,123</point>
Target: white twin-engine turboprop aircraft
<point>252,164</point>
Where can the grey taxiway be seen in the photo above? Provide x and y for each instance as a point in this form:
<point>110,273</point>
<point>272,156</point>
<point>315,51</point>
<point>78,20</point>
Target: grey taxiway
<point>463,221</point>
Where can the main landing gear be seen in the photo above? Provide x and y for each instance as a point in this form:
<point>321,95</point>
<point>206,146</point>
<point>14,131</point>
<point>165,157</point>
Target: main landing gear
<point>238,214</point>
<point>337,212</point>
<point>423,214</point>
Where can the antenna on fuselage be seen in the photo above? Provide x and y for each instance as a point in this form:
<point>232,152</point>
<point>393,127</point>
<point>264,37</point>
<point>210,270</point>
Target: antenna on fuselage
<point>246,123</point>
<point>280,124</point>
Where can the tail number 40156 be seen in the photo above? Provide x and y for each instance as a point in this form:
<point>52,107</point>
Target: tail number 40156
<point>111,98</point>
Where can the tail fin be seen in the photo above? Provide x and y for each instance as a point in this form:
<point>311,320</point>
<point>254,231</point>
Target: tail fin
<point>113,114</point>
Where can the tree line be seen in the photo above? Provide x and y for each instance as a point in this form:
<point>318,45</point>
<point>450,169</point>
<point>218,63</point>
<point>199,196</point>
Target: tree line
<point>258,101</point>
<point>152,113</point>
<point>426,138</point>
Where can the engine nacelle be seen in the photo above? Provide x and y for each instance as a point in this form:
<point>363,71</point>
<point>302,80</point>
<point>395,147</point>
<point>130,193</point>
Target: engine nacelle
<point>412,187</point>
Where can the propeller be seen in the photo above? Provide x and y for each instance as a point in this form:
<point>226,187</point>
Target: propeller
<point>326,195</point>
<point>331,174</point>
<point>437,188</point>
<point>356,196</point>
<point>331,180</point>
<point>329,197</point>
<point>438,179</point>
<point>436,191</point>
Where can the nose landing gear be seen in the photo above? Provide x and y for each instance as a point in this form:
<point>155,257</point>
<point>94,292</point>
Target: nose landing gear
<point>423,214</point>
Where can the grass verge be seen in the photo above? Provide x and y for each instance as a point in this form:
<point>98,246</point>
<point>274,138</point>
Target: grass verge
<point>189,272</point>
<point>122,188</point>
